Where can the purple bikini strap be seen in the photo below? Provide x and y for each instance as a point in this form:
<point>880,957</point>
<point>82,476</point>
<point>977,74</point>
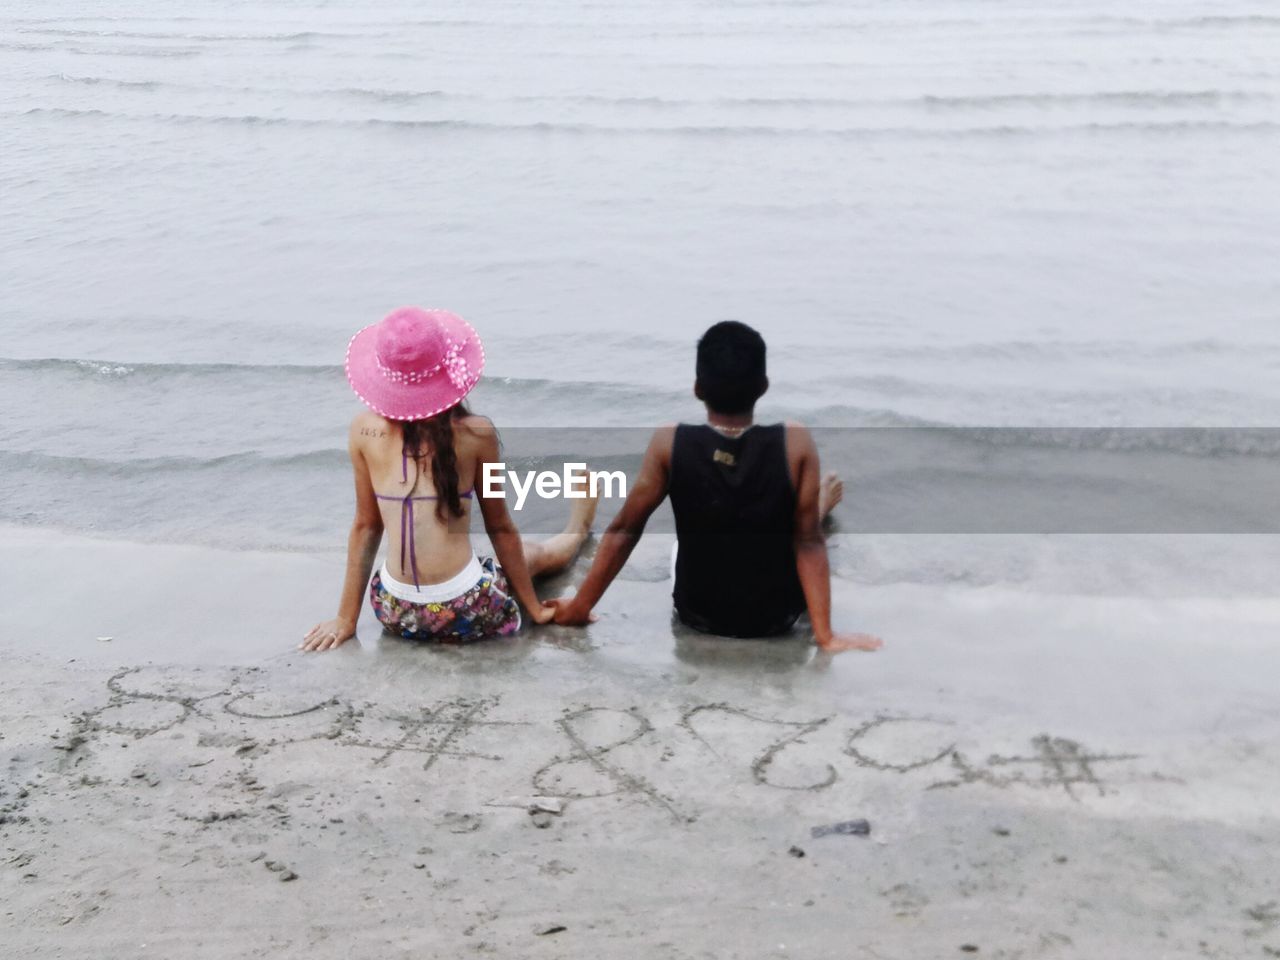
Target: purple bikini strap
<point>407,526</point>
<point>408,530</point>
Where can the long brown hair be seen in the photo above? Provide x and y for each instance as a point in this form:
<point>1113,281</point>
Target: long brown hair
<point>434,436</point>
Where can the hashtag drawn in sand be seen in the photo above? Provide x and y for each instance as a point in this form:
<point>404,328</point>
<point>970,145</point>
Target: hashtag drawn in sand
<point>1062,763</point>
<point>437,732</point>
<point>1065,763</point>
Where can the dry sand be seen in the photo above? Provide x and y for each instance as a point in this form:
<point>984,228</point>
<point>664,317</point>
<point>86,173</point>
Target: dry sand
<point>1043,777</point>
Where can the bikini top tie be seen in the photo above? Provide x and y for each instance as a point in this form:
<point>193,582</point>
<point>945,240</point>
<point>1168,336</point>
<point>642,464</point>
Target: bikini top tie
<point>407,527</point>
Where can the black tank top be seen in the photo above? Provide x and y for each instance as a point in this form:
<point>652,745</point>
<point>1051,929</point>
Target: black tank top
<point>734,505</point>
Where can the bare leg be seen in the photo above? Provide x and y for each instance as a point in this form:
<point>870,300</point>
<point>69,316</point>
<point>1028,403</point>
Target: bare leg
<point>552,555</point>
<point>830,493</point>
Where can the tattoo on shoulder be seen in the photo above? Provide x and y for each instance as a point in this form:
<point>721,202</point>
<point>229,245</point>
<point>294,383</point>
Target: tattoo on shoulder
<point>372,432</point>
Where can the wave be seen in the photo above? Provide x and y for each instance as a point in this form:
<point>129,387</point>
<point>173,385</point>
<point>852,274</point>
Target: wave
<point>126,467</point>
<point>1132,350</point>
<point>187,37</point>
<point>96,369</point>
<point>72,27</point>
<point>1219,20</point>
<point>112,18</point>
<point>362,93</point>
<point>1136,98</point>
<point>123,370</point>
<point>847,417</point>
<point>1205,442</point>
<point>35,24</point>
<point>871,446</point>
<point>395,96</point>
<point>252,462</point>
<point>675,350</point>
<point>171,52</point>
<point>1002,130</point>
<point>111,369</point>
<point>1040,98</point>
<point>1193,442</point>
<point>62,47</point>
<point>27,47</point>
<point>114,82</point>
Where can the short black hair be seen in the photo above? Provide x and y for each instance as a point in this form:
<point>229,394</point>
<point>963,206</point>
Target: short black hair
<point>731,367</point>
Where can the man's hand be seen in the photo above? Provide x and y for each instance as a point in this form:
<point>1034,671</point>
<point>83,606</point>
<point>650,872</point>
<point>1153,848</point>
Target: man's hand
<point>840,642</point>
<point>570,613</point>
<point>327,635</point>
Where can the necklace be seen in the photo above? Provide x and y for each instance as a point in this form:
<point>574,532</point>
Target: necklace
<point>730,431</point>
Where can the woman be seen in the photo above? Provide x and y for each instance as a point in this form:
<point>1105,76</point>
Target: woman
<point>418,456</point>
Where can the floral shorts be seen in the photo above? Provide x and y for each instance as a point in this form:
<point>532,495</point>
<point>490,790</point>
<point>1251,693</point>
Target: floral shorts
<point>486,610</point>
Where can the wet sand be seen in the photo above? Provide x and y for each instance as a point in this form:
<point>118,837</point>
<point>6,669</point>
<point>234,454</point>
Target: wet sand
<point>1043,776</point>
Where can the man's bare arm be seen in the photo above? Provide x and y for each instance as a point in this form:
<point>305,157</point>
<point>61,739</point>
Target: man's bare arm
<point>812,565</point>
<point>646,495</point>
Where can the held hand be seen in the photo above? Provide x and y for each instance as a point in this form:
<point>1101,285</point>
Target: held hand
<point>327,635</point>
<point>569,614</point>
<point>543,613</point>
<point>840,642</point>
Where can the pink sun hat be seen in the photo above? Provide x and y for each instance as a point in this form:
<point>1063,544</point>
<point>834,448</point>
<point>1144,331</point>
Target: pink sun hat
<point>415,363</point>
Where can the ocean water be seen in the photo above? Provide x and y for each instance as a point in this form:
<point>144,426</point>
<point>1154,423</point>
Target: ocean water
<point>940,213</point>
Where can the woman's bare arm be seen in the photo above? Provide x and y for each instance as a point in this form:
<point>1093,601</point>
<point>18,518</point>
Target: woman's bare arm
<point>362,549</point>
<point>504,536</point>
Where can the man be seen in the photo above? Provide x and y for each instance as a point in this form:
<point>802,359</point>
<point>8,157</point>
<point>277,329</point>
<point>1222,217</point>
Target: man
<point>749,501</point>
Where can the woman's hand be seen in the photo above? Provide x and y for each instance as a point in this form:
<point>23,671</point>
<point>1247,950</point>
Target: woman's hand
<point>327,635</point>
<point>543,613</point>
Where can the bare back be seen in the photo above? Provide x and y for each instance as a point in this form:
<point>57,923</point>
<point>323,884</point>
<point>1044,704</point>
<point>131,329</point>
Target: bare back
<point>405,494</point>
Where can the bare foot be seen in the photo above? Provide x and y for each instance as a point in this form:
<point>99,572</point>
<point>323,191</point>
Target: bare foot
<point>830,493</point>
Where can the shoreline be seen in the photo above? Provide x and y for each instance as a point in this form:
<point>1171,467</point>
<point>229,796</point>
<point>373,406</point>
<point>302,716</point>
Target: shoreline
<point>1043,776</point>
